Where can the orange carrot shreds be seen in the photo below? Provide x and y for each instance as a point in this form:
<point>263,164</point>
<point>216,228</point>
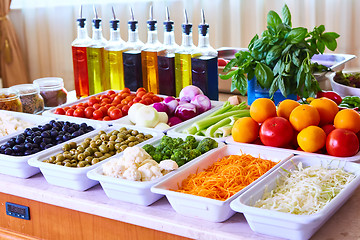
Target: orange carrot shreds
<point>226,176</point>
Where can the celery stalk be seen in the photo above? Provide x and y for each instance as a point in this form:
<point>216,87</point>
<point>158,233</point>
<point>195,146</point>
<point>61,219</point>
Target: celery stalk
<point>226,121</point>
<point>191,130</point>
<point>223,131</point>
<point>207,122</point>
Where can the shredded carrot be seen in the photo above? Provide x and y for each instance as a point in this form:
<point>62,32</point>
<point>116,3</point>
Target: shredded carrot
<point>226,176</point>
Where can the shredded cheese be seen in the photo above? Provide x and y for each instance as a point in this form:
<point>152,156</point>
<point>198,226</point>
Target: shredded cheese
<point>305,191</point>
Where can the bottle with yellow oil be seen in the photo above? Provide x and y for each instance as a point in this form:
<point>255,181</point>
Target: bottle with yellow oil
<point>95,57</point>
<point>183,57</point>
<point>114,68</point>
<point>149,57</point>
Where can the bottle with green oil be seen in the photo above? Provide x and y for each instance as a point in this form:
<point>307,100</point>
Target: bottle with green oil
<point>95,57</point>
<point>114,68</point>
<point>166,59</point>
<point>183,57</point>
<point>204,63</point>
<point>132,56</point>
<point>149,57</point>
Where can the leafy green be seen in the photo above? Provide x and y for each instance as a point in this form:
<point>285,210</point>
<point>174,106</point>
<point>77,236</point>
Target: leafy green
<point>281,57</point>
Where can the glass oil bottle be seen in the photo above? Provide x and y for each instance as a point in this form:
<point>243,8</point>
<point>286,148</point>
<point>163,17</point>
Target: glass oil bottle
<point>95,56</point>
<point>183,58</point>
<point>114,68</point>
<point>149,57</point>
<point>204,63</point>
<point>79,45</point>
<point>166,59</point>
<point>132,57</point>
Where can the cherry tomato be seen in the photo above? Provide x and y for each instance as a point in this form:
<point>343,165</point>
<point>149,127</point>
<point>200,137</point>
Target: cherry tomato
<point>59,111</point>
<point>125,90</point>
<point>104,96</point>
<point>137,99</point>
<point>106,118</point>
<point>141,90</point>
<point>124,101</point>
<point>156,99</point>
<point>92,101</point>
<point>119,106</point>
<point>331,95</point>
<point>79,113</point>
<point>73,107</point>
<point>276,132</point>
<point>104,110</point>
<point>222,62</point>
<point>98,114</point>
<point>125,110</point>
<point>70,112</point>
<point>130,104</point>
<point>110,92</point>
<point>110,109</point>
<point>328,128</point>
<point>115,114</point>
<point>89,112</point>
<point>66,108</point>
<point>118,99</point>
<point>140,94</point>
<point>148,101</point>
<point>112,97</point>
<point>129,98</point>
<point>124,95</point>
<point>342,143</point>
<point>106,101</point>
<point>96,106</point>
<point>85,105</point>
<point>107,106</point>
<point>143,102</point>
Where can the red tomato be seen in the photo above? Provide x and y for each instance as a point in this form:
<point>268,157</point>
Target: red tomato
<point>276,132</point>
<point>66,108</point>
<point>85,105</point>
<point>124,101</point>
<point>118,98</point>
<point>104,110</point>
<point>137,99</point>
<point>96,106</point>
<point>125,90</point>
<point>156,99</point>
<point>125,109</point>
<point>110,92</point>
<point>79,113</point>
<point>59,111</point>
<point>106,101</point>
<point>342,143</point>
<point>140,94</point>
<point>92,101</point>
<point>110,109</point>
<point>115,114</point>
<point>328,128</point>
<point>98,114</point>
<point>80,105</point>
<point>70,112</point>
<point>222,62</point>
<point>102,97</point>
<point>119,106</point>
<point>141,90</point>
<point>129,98</point>
<point>73,107</point>
<point>112,97</point>
<point>107,118</point>
<point>130,104</point>
<point>143,102</point>
<point>89,112</point>
<point>148,100</point>
<point>108,106</point>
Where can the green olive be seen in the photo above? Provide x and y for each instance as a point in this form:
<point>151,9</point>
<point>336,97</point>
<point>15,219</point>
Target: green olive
<point>131,144</point>
<point>81,164</point>
<point>104,137</point>
<point>87,165</point>
<point>73,151</point>
<point>95,161</point>
<point>121,135</point>
<point>98,154</point>
<point>112,138</point>
<point>66,147</point>
<point>117,146</point>
<point>60,158</point>
<point>118,151</point>
<point>140,135</point>
<point>103,148</point>
<point>101,132</point>
<point>85,144</point>
<point>148,136</point>
<point>136,143</point>
<point>98,142</point>
<point>58,163</point>
<point>107,155</point>
<point>52,158</point>
<point>72,144</point>
<point>127,136</point>
<point>67,164</point>
<point>132,138</point>
<point>73,161</point>
<point>93,145</point>
<point>123,129</point>
<point>110,146</point>
<point>88,158</point>
<point>74,165</point>
<point>114,132</point>
<point>134,132</point>
<point>119,140</point>
<point>80,149</point>
<point>81,156</point>
<point>112,152</point>
<point>123,147</point>
<point>87,140</point>
<point>102,158</point>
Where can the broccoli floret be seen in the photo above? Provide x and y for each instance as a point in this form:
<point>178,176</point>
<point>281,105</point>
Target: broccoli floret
<point>166,142</point>
<point>179,156</point>
<point>178,141</point>
<point>192,141</point>
<point>166,151</point>
<point>149,149</point>
<point>193,153</point>
<point>157,156</point>
<point>206,145</point>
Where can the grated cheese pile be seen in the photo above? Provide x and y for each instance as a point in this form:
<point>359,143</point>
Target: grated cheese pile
<point>305,191</point>
<point>10,124</point>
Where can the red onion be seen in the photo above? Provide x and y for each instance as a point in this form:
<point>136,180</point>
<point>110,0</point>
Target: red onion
<point>201,102</point>
<point>189,92</point>
<point>186,111</point>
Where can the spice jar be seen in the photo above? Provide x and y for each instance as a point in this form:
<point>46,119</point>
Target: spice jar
<point>52,90</point>
<point>30,98</point>
<point>10,100</point>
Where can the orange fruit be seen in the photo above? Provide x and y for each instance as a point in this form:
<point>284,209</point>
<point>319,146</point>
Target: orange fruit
<point>303,116</point>
<point>311,139</point>
<point>245,130</point>
<point>262,109</point>
<point>347,119</point>
<point>285,108</point>
<point>327,109</point>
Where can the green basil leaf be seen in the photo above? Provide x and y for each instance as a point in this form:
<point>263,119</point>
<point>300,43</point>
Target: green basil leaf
<point>240,83</point>
<point>287,67</point>
<point>296,60</point>
<point>320,45</point>
<point>260,74</point>
<point>331,45</point>
<point>258,44</point>
<point>274,86</point>
<point>321,28</point>
<point>251,44</point>
<point>251,74</point>
<point>229,75</point>
<point>308,78</point>
<point>276,69</point>
<point>286,15</point>
<point>230,65</point>
<point>273,19</point>
<point>282,86</point>
<point>296,35</point>
<point>286,49</point>
<point>273,54</point>
<point>300,78</point>
<point>328,35</point>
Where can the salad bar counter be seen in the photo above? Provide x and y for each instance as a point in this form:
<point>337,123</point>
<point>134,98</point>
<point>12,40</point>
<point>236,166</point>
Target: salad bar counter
<point>60,213</point>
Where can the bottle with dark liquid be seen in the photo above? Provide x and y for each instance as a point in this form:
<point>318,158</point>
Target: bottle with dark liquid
<point>132,57</point>
<point>95,57</point>
<point>149,60</point>
<point>166,59</point>
<point>79,45</point>
<point>183,75</point>
<point>204,63</point>
<point>114,67</point>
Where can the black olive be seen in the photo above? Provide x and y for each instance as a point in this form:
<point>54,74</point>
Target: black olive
<point>42,145</point>
<point>76,134</point>
<point>71,130</point>
<point>19,140</point>
<point>59,137</point>
<point>83,125</point>
<point>54,133</point>
<point>47,140</point>
<point>28,145</point>
<point>45,135</point>
<point>38,133</point>
<point>35,150</point>
<point>11,143</point>
<point>16,148</point>
<point>66,137</point>
<point>27,152</point>
<point>37,139</point>
<point>8,151</point>
<point>49,146</point>
<point>35,129</point>
<point>3,147</point>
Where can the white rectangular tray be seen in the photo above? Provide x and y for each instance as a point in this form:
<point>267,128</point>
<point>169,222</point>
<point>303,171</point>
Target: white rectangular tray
<point>207,208</point>
<point>17,166</point>
<point>30,118</point>
<point>287,225</point>
<point>135,191</point>
<point>75,178</point>
<point>229,140</point>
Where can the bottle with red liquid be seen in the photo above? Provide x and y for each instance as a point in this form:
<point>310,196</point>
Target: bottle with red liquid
<point>204,63</point>
<point>166,59</point>
<point>132,57</point>
<point>79,45</point>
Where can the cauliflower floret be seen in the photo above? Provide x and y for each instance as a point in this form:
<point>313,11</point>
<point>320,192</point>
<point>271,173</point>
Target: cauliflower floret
<point>132,173</point>
<point>135,155</point>
<point>149,161</point>
<point>150,171</point>
<point>114,168</point>
<point>167,166</point>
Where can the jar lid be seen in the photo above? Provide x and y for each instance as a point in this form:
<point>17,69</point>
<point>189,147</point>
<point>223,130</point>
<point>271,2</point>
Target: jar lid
<point>49,83</point>
<point>8,94</point>
<point>26,89</point>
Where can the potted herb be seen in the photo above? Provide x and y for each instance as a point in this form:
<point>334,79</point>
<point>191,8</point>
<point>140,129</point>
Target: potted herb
<point>281,58</point>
